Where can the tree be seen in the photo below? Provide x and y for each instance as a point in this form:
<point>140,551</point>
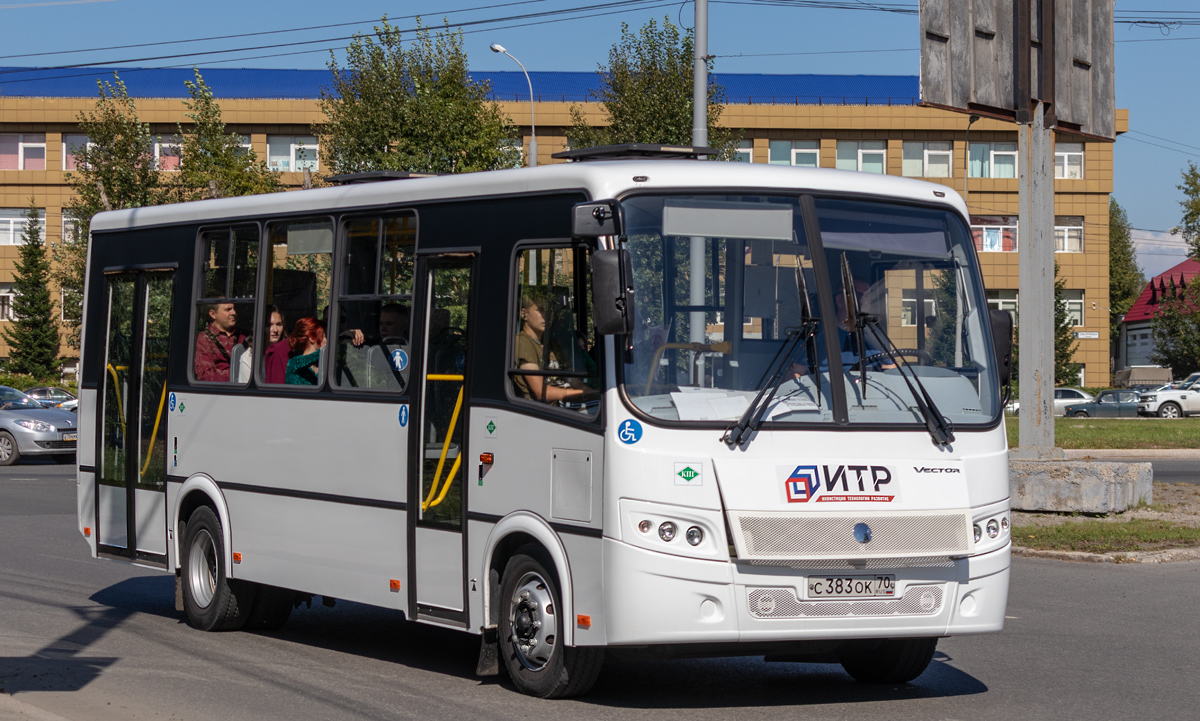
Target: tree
<point>213,163</point>
<point>1190,227</point>
<point>1176,329</point>
<point>114,171</point>
<point>33,335</point>
<point>1125,280</point>
<point>415,109</point>
<point>646,92</point>
<point>1066,370</point>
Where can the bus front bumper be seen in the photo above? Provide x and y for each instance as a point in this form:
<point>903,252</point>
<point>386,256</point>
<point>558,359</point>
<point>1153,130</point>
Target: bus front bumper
<point>655,598</point>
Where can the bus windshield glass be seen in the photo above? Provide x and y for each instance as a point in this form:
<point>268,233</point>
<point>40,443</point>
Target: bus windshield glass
<point>727,301</point>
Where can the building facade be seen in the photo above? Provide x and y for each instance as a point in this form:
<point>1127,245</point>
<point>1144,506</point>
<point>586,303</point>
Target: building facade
<point>868,124</point>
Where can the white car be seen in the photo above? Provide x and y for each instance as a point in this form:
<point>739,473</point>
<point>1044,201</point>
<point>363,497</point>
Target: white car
<point>1063,397</point>
<point>1173,403</point>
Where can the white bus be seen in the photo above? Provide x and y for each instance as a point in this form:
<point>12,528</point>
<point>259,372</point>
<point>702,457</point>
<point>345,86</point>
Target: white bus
<point>573,409</point>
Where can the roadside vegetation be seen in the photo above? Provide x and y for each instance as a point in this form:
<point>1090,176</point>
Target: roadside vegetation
<point>1107,536</point>
<point>1131,433</point>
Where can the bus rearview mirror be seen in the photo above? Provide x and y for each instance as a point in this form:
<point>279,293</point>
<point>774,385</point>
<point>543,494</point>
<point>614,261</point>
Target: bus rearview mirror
<point>1002,341</point>
<point>612,291</point>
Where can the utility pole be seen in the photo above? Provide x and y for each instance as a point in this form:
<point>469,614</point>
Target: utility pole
<point>696,319</point>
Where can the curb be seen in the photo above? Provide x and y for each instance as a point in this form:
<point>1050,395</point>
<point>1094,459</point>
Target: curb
<point>1168,556</point>
<point>1133,453</point>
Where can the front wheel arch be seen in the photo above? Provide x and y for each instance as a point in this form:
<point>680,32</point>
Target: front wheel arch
<point>508,535</point>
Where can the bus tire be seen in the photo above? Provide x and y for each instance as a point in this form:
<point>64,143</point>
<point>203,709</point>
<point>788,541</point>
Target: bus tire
<point>272,608</point>
<point>531,631</point>
<point>897,660</point>
<point>211,600</point>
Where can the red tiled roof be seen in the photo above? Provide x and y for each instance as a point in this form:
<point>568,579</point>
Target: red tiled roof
<point>1161,285</point>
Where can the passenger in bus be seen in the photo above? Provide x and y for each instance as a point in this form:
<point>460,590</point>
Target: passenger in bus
<point>393,323</point>
<point>530,355</point>
<point>306,342</point>
<point>216,342</point>
<point>272,334</point>
<point>275,357</point>
<point>847,341</point>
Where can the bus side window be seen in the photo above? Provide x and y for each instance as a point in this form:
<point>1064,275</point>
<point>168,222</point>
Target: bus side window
<point>375,303</point>
<point>224,315</point>
<point>554,356</point>
<point>299,269</point>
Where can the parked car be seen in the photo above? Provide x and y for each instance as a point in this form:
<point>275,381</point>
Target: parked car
<point>1063,397</point>
<point>1109,404</point>
<point>1172,403</point>
<point>29,429</point>
<point>53,397</point>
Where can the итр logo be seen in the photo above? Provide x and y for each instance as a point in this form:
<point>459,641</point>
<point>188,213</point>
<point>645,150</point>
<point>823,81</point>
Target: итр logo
<point>802,484</point>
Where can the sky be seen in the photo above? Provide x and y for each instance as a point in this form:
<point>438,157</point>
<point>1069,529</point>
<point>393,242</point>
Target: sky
<point>1153,61</point>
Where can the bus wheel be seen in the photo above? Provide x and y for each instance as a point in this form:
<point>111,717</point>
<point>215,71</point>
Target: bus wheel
<point>272,608</point>
<point>212,601</point>
<point>531,630</point>
<point>892,661</point>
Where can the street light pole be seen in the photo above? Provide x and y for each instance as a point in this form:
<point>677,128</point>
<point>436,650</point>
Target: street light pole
<point>498,48</point>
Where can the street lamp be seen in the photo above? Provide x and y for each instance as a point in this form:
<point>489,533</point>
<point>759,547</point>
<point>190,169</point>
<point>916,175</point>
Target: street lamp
<point>498,48</point>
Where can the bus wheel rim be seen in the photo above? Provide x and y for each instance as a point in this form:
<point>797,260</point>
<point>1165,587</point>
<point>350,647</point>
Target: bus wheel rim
<point>532,620</point>
<point>202,568</point>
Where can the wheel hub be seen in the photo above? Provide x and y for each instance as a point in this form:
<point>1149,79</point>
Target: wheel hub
<point>202,569</point>
<point>532,622</point>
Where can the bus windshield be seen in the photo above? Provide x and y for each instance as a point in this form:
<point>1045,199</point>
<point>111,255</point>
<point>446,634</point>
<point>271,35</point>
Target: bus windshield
<point>724,285</point>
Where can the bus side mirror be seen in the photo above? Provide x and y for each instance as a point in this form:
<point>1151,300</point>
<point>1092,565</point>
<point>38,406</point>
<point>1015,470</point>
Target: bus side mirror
<point>612,291</point>
<point>1002,342</point>
<point>593,220</point>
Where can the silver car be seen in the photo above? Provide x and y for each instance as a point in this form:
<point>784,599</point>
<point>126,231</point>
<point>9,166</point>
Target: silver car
<point>29,429</point>
<point>1063,397</point>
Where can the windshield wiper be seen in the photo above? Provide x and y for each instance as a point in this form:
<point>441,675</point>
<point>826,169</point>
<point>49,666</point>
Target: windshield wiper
<point>752,417</point>
<point>940,428</point>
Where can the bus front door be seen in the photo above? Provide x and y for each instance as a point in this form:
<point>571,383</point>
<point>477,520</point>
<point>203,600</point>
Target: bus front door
<point>131,502</point>
<point>438,441</point>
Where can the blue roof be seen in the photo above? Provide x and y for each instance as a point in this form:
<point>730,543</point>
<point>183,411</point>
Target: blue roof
<point>740,88</point>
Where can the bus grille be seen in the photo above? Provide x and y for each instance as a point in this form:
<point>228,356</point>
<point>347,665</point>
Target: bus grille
<point>830,535</point>
<point>782,603</point>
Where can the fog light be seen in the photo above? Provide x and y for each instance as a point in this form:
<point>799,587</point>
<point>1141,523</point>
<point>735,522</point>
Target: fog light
<point>644,526</point>
<point>1004,523</point>
<point>666,531</point>
<point>694,536</point>
<point>993,528</point>
<point>978,533</point>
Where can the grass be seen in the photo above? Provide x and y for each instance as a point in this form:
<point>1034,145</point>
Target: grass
<point>1095,536</point>
<point>1131,433</point>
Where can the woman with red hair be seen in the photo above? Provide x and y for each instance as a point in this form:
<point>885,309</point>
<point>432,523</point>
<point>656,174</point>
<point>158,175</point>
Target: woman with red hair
<point>306,341</point>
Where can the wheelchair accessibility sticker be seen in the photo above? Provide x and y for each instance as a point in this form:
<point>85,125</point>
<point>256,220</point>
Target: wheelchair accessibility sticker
<point>399,359</point>
<point>630,431</point>
<point>172,401</point>
<point>403,415</point>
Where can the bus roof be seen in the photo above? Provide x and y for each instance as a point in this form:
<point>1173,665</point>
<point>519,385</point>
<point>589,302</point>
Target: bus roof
<point>601,179</point>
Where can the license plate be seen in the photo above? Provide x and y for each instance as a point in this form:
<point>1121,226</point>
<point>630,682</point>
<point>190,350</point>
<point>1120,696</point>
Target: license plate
<point>851,586</point>
<point>69,436</point>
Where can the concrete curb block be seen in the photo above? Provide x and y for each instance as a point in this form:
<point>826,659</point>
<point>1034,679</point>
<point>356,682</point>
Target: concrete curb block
<point>1079,486</point>
<point>1168,556</point>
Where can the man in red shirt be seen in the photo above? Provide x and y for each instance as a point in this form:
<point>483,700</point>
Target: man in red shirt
<point>216,342</point>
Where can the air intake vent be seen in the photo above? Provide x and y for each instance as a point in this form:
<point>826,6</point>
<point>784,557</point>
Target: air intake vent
<point>784,537</point>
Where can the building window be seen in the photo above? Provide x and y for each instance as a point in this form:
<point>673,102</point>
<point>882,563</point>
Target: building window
<point>1003,300</point>
<point>992,160</point>
<point>292,153</point>
<point>72,146</point>
<point>12,225</point>
<point>1068,234</point>
<point>994,233</point>
<point>908,306</point>
<point>745,151</point>
<point>1068,161</point>
<point>933,159</point>
<point>23,152</point>
<point>1073,300</point>
<point>868,156</point>
<point>167,154</point>
<point>6,301</point>
<point>70,227</point>
<point>802,153</point>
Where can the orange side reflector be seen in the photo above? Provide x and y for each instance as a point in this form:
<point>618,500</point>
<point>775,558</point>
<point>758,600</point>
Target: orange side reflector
<point>237,558</point>
<point>87,531</point>
<point>395,584</point>
<point>584,621</point>
<point>487,459</point>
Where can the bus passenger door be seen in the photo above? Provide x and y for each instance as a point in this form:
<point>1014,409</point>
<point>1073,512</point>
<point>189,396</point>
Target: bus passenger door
<point>438,437</point>
<point>131,513</point>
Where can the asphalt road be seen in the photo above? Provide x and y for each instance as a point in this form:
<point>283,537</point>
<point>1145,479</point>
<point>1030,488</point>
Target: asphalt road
<point>1168,470</point>
<point>88,639</point>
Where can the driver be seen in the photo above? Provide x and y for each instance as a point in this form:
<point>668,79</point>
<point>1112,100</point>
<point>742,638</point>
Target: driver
<point>847,341</point>
<point>530,355</point>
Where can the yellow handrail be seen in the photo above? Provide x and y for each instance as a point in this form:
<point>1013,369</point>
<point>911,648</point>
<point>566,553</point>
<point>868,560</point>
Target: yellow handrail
<point>154,433</point>
<point>437,476</point>
<point>117,394</point>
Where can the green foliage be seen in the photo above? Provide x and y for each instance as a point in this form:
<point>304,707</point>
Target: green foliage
<point>1125,280</point>
<point>1107,536</point>
<point>414,109</point>
<point>24,382</point>
<point>1066,370</point>
<point>115,171</point>
<point>1190,226</point>
<point>1176,330</point>
<point>33,335</point>
<point>213,163</point>
<point>646,92</point>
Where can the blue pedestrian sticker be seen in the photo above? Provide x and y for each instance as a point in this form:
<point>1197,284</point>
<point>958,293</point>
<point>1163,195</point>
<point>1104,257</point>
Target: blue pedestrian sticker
<point>403,415</point>
<point>399,359</point>
<point>630,431</point>
<point>172,401</point>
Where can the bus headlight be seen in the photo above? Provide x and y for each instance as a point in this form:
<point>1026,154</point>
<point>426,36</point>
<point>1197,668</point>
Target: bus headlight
<point>978,533</point>
<point>694,536</point>
<point>666,531</point>
<point>993,528</point>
